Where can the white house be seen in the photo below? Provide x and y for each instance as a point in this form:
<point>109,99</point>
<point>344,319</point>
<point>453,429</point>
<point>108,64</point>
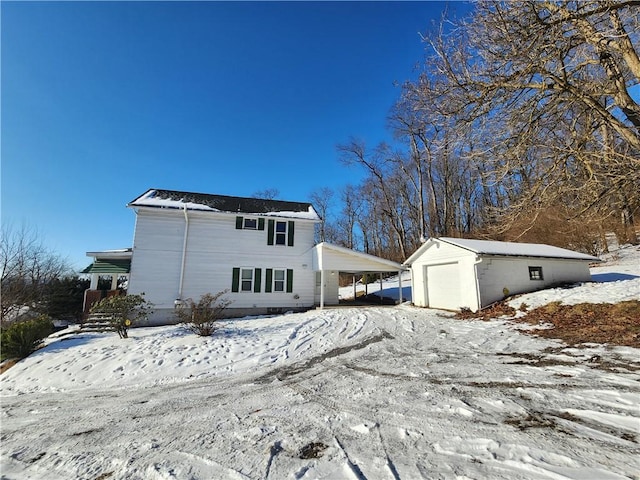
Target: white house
<point>262,251</point>
<point>456,273</point>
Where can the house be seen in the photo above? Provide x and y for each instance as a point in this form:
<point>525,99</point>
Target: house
<point>261,251</point>
<point>456,273</point>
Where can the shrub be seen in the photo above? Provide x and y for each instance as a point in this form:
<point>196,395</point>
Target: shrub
<point>200,317</point>
<point>20,339</point>
<point>122,311</point>
<point>63,298</point>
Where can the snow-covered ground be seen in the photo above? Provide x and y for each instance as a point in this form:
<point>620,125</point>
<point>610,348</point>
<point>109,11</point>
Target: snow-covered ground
<point>373,392</point>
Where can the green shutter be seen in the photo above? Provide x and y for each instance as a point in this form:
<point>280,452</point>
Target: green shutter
<point>268,280</point>
<point>261,224</point>
<point>289,280</point>
<point>256,280</point>
<point>239,221</point>
<point>271,225</point>
<point>290,233</point>
<point>235,282</point>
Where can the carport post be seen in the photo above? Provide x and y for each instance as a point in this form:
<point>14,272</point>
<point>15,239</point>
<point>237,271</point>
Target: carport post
<point>354,288</point>
<point>321,289</point>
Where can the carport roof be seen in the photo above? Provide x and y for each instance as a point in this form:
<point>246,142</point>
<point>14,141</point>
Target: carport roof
<point>327,256</point>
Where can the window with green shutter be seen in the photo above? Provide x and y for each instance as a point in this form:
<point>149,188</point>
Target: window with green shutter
<point>280,232</point>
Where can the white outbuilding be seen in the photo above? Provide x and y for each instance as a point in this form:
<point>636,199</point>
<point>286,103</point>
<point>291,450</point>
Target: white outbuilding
<point>456,273</point>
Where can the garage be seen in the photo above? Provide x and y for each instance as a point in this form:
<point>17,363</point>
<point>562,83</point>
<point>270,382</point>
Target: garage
<point>458,273</point>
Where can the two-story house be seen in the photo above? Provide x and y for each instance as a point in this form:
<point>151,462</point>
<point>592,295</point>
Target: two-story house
<point>260,251</point>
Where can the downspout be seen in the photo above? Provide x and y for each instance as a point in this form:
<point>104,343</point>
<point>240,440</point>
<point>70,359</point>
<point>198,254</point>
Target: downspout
<point>477,281</point>
<point>184,253</point>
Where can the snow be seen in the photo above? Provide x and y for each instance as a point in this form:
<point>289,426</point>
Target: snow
<point>388,392</point>
<point>489,247</point>
<point>149,199</point>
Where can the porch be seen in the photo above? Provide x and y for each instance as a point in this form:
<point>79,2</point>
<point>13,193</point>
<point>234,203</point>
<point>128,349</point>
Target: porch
<point>109,276</point>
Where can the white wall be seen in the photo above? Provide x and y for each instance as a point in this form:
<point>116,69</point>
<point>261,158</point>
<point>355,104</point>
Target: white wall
<point>214,248</point>
<point>439,253</point>
<point>497,273</point>
<point>331,287</point>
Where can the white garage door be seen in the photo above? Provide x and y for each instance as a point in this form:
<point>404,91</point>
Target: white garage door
<point>443,286</point>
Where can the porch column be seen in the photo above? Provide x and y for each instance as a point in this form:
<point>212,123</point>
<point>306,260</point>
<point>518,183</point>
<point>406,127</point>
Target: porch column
<point>400,286</point>
<point>94,281</point>
<point>114,281</point>
<point>321,289</point>
<point>380,276</point>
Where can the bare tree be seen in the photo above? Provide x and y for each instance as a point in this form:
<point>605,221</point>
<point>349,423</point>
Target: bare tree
<point>322,200</point>
<point>267,194</point>
<point>27,267</point>
<point>544,86</point>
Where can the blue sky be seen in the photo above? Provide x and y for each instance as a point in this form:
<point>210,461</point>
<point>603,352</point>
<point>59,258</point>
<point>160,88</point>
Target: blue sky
<point>104,100</point>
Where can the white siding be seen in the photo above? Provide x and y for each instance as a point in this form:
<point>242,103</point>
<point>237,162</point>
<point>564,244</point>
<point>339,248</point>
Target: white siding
<point>331,287</point>
<point>436,290</point>
<point>214,248</point>
<point>497,273</point>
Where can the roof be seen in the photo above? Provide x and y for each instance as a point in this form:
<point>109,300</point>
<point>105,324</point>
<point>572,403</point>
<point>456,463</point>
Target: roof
<point>111,265</point>
<point>334,257</point>
<point>511,249</point>
<point>172,199</point>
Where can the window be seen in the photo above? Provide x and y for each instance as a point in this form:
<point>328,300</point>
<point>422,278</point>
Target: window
<point>250,224</point>
<point>243,223</point>
<point>246,284</point>
<point>278,280</point>
<point>535,273</point>
<point>281,233</point>
<point>246,279</point>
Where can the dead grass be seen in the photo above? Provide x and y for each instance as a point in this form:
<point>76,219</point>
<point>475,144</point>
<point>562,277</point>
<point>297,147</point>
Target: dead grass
<point>617,323</point>
<point>614,324</point>
<point>7,364</point>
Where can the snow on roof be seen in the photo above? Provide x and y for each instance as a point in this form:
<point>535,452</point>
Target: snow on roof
<point>513,249</point>
<point>173,199</point>
<point>118,253</point>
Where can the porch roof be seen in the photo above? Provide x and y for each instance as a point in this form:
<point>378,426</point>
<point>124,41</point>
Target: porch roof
<point>109,265</point>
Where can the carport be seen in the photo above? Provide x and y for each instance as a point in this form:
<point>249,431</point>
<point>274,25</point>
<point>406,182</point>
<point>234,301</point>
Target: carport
<point>330,260</point>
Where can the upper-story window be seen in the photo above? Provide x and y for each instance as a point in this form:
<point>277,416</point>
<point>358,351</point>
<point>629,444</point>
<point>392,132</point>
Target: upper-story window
<point>281,233</point>
<point>250,223</point>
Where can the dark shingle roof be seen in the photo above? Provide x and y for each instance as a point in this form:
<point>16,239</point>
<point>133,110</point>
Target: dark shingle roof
<point>222,203</point>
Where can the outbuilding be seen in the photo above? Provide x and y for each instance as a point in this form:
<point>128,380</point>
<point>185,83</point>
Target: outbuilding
<point>456,273</point>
